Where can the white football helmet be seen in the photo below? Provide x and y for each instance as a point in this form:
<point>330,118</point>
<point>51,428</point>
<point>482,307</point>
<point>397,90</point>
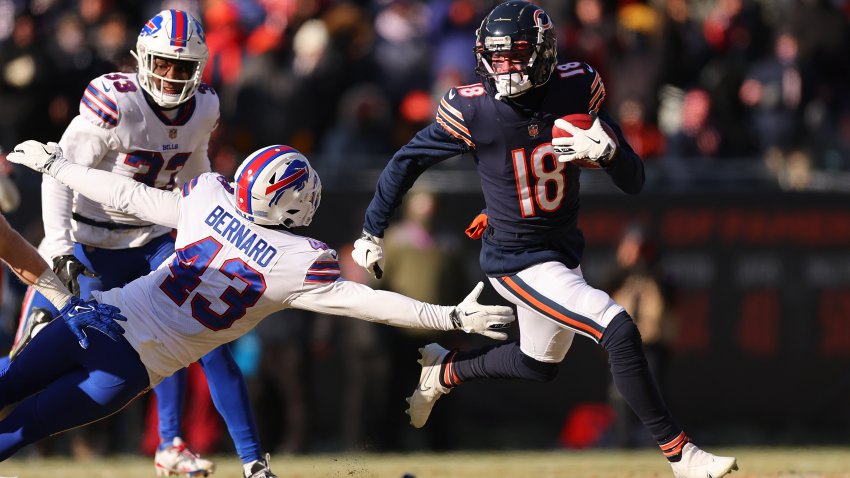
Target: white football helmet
<point>275,185</point>
<point>176,35</point>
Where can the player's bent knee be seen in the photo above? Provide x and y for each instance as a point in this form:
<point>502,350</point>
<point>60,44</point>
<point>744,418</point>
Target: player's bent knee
<point>537,370</point>
<point>621,332</point>
<point>622,341</point>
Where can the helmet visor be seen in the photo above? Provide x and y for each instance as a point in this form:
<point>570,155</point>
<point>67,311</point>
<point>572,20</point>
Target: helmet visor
<point>512,61</point>
<point>516,58</point>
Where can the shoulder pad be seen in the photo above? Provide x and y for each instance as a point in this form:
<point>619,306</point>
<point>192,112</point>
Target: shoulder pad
<point>450,114</point>
<point>204,179</point>
<point>99,104</point>
<point>583,80</point>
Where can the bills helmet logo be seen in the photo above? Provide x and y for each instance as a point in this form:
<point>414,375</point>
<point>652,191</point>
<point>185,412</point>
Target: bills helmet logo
<point>294,177</point>
<point>151,26</point>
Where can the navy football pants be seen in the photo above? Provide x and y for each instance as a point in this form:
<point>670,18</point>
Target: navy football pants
<point>117,267</point>
<point>63,386</point>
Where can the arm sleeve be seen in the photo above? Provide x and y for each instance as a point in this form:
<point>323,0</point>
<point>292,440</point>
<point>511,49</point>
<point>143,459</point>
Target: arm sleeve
<point>124,194</point>
<point>626,167</point>
<point>430,146</point>
<point>352,299</point>
<point>56,202</point>
<point>87,144</point>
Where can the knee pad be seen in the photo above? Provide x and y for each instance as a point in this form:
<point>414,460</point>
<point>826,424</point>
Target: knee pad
<point>537,370</point>
<point>622,341</point>
<point>621,332</point>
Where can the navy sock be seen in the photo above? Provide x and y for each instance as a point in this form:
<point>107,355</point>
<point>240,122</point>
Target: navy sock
<point>501,361</point>
<point>634,381</point>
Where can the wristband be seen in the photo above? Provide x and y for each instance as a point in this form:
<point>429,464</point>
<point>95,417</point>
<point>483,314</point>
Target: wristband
<point>49,285</point>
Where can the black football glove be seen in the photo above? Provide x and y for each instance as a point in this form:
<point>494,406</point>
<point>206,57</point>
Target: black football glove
<point>68,268</point>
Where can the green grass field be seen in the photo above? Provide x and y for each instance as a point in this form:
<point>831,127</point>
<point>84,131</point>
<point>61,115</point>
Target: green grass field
<point>754,462</point>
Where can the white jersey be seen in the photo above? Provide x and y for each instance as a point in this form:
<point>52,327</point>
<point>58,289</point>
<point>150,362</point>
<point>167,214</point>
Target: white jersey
<point>120,131</point>
<point>227,273</point>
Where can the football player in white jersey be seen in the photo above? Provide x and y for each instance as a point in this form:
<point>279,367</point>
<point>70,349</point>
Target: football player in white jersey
<point>154,127</point>
<point>236,262</point>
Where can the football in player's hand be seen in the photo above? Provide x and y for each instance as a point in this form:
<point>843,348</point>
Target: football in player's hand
<point>583,121</point>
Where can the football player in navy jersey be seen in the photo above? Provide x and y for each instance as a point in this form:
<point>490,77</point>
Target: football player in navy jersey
<point>531,244</point>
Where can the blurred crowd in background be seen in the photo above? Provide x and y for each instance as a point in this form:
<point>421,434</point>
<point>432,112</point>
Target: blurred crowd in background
<point>350,81</point>
<point>691,82</point>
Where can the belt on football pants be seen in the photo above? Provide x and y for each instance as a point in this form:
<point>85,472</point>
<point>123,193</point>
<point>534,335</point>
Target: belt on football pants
<point>505,235</point>
<point>112,226</point>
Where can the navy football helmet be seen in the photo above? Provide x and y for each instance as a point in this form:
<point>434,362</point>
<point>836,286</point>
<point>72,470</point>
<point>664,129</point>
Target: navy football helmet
<point>515,48</point>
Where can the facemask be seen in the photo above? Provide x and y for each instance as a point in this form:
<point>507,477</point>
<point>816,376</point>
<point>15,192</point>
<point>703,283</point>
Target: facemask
<point>510,85</point>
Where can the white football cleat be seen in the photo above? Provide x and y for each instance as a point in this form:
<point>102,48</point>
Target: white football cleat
<point>696,463</point>
<point>429,389</point>
<point>259,469</point>
<point>177,459</point>
<point>37,319</point>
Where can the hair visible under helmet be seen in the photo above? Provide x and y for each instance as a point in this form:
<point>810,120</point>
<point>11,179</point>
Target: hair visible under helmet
<point>522,33</point>
<point>275,186</point>
<point>171,35</point>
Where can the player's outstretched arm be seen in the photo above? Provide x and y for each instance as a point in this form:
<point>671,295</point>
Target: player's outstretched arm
<point>352,299</point>
<point>122,193</point>
<point>24,260</point>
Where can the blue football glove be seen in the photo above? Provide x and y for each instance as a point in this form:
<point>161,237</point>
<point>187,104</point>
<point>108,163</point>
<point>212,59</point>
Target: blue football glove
<point>79,314</point>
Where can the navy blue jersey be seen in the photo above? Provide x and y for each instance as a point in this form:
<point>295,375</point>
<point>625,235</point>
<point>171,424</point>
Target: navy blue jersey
<point>532,200</point>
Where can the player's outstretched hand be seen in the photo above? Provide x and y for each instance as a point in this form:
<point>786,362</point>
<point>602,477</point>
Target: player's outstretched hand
<point>594,144</point>
<point>68,268</point>
<point>35,155</point>
<point>487,320</point>
<point>368,253</point>
<point>79,314</point>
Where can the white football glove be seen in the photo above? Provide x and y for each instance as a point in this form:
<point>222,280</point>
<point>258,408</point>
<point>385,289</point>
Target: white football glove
<point>593,144</point>
<point>472,317</point>
<point>35,155</point>
<point>368,253</point>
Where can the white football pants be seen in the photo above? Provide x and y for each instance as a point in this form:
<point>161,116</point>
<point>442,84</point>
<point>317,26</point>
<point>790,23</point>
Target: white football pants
<point>553,303</point>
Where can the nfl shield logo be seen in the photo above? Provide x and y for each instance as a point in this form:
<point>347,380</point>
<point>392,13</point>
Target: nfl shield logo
<point>533,130</point>
<point>172,133</point>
